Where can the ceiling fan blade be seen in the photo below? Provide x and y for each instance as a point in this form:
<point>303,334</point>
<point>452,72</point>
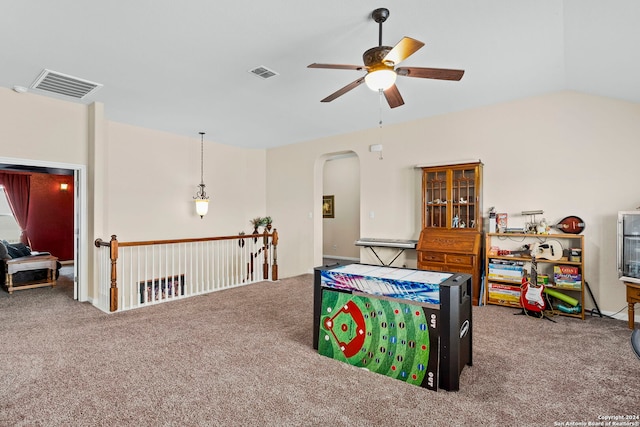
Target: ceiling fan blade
<point>404,49</point>
<point>344,90</point>
<point>393,97</point>
<point>337,66</point>
<point>430,73</point>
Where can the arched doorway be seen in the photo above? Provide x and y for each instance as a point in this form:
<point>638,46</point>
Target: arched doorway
<point>340,180</point>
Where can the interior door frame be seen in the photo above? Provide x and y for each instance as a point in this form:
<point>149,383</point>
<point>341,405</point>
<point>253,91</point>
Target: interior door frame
<point>80,230</point>
<point>318,191</point>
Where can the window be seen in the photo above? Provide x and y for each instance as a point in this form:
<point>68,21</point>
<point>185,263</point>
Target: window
<point>9,229</point>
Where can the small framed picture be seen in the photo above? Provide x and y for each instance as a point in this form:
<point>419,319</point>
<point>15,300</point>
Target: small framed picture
<point>328,207</point>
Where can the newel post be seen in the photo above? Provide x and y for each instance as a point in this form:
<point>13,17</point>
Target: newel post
<point>274,267</point>
<point>113,245</point>
<point>265,263</point>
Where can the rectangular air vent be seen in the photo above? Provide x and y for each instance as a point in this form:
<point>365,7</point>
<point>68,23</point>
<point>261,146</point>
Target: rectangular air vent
<point>62,84</point>
<point>263,72</point>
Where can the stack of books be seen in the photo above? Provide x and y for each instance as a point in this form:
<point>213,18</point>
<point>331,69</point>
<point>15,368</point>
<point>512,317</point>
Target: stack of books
<point>506,270</point>
<point>567,276</point>
<point>504,293</point>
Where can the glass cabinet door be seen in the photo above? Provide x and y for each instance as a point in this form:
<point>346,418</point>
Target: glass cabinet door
<point>463,198</point>
<point>435,196</point>
<point>451,195</point>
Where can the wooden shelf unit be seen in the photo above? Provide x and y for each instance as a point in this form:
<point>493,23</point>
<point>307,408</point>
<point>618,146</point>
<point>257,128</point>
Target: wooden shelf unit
<point>513,241</point>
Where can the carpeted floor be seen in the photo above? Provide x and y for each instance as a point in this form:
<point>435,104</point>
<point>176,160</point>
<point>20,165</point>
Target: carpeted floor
<point>244,357</point>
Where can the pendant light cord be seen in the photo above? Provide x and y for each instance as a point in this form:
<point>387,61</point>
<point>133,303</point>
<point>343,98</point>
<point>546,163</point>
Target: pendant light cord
<point>201,158</point>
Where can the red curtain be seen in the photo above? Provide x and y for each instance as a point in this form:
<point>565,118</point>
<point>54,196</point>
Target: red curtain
<point>18,189</point>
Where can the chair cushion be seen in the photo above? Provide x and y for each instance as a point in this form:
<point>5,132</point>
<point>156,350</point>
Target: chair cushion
<point>4,254</point>
<point>17,250</point>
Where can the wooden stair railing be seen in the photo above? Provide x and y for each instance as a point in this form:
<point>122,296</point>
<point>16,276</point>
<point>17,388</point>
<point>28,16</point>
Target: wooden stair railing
<point>113,246</point>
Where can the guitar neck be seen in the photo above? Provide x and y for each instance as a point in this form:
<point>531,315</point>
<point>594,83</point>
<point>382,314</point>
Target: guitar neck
<point>534,271</point>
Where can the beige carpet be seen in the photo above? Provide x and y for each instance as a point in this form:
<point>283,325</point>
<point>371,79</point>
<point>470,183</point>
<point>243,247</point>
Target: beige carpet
<point>244,357</point>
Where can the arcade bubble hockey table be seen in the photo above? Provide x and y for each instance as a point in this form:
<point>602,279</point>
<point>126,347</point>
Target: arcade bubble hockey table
<point>412,325</point>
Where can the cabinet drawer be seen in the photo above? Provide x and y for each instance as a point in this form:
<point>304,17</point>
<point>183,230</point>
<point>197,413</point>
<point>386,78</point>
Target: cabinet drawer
<point>448,268</point>
<point>459,269</point>
<point>633,294</point>
<point>460,259</point>
<point>431,267</point>
<point>431,256</point>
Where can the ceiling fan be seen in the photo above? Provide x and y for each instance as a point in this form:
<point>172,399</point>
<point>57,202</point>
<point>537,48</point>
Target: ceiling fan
<point>380,62</point>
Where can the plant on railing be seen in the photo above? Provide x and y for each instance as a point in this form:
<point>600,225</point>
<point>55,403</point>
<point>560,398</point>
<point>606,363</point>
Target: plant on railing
<point>257,222</point>
<point>267,222</point>
<point>241,241</point>
<point>261,222</point>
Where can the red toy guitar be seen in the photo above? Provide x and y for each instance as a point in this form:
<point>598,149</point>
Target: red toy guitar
<point>531,297</point>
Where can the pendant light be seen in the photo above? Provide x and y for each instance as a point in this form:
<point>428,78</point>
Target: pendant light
<point>201,198</point>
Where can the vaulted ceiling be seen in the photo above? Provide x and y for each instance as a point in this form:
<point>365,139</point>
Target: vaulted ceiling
<point>183,67</point>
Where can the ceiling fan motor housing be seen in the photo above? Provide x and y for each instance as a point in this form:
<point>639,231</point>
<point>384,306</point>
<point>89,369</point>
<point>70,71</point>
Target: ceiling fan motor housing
<point>374,56</point>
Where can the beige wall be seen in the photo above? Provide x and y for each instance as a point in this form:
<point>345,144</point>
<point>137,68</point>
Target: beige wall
<point>144,180</point>
<point>566,153</point>
<point>40,128</point>
<point>341,178</point>
<point>153,177</point>
<point>140,182</point>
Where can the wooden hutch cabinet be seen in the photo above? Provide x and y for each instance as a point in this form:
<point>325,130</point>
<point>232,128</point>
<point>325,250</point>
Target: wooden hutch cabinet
<point>451,237</point>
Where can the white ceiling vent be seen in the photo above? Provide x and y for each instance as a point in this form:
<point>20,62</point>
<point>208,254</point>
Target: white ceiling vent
<point>263,72</point>
<point>62,84</point>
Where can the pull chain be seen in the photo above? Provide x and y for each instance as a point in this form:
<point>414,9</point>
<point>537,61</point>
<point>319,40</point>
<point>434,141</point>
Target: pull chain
<point>380,123</point>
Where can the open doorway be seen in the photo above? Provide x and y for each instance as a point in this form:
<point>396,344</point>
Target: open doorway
<point>341,209</point>
<point>57,208</point>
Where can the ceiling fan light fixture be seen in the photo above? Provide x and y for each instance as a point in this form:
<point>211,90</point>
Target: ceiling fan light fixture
<point>381,79</point>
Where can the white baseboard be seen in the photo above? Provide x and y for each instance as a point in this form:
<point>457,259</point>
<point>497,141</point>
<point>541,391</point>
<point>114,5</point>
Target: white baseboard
<point>620,315</point>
